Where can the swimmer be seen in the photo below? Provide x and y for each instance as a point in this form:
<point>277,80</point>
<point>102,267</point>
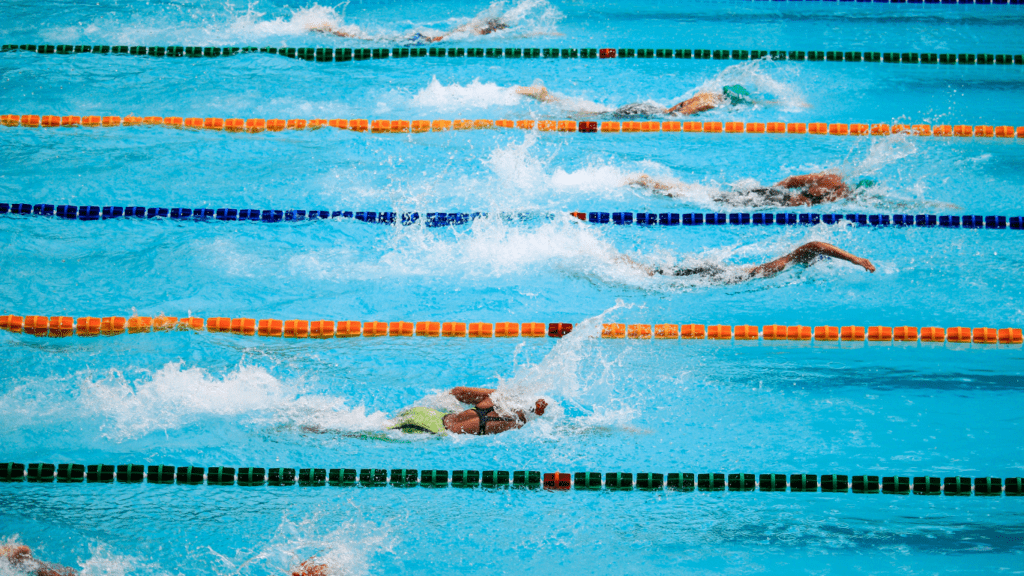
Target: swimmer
<point>734,95</point>
<point>481,419</point>
<point>805,255</point>
<point>20,557</point>
<point>800,190</point>
<point>489,27</point>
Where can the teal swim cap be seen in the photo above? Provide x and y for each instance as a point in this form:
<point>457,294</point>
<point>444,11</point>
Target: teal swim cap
<point>866,182</point>
<point>736,94</point>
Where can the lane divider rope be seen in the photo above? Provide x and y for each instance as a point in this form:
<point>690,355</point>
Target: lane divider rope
<point>65,326</point>
<point>438,219</point>
<point>257,125</point>
<point>406,478</point>
<point>358,54</point>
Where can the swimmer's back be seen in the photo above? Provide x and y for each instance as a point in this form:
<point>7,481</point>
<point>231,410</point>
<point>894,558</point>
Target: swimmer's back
<point>639,109</point>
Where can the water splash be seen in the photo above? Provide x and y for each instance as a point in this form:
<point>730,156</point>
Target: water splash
<point>174,397</point>
<point>761,78</point>
<point>102,561</point>
<point>573,375</point>
<point>527,18</point>
<point>226,24</point>
<point>458,97</point>
<point>347,549</point>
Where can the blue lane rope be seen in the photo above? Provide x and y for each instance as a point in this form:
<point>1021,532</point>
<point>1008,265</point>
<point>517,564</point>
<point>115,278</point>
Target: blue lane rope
<point>436,219</point>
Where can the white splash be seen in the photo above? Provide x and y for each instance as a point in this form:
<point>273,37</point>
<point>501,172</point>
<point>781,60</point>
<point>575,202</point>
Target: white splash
<point>760,78</point>
<point>347,548</point>
<point>458,97</point>
<point>174,397</point>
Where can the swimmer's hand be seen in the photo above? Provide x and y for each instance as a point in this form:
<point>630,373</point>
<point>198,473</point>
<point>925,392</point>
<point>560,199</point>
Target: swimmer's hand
<point>538,93</point>
<point>865,263</point>
<point>539,408</point>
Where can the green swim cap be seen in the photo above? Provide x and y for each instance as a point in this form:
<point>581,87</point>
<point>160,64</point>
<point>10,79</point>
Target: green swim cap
<point>866,182</point>
<point>736,94</point>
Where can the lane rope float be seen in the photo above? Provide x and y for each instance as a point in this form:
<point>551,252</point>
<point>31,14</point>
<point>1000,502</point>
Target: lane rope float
<point>257,125</point>
<point>439,219</point>
<point>531,479</point>
<point>359,54</point>
<point>66,326</point>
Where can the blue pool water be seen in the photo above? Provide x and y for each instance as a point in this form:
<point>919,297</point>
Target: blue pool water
<point>223,400</point>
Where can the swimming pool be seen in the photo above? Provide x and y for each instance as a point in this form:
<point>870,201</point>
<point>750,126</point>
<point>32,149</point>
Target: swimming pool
<point>207,399</point>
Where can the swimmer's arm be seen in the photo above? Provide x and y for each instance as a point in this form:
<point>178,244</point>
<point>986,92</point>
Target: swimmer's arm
<point>804,255</point>
<point>823,179</point>
<point>633,263</point>
<point>54,570</point>
<point>699,103</point>
<point>538,93</point>
<point>822,186</point>
<point>802,180</point>
<point>328,29</point>
<point>645,181</point>
<point>474,396</point>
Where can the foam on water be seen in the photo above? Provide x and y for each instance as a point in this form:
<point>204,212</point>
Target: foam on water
<point>460,97</point>
<point>101,562</point>
<point>563,246</point>
<point>120,408</point>
<point>762,79</point>
<point>104,562</point>
<point>524,19</point>
<point>574,378</point>
<point>346,548</point>
<point>485,95</point>
<point>224,23</point>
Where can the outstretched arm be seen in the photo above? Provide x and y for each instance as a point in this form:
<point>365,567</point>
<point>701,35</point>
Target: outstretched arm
<point>821,186</point>
<point>474,396</point>
<point>326,28</point>
<point>699,103</point>
<point>804,255</point>
<point>645,181</point>
<point>538,93</point>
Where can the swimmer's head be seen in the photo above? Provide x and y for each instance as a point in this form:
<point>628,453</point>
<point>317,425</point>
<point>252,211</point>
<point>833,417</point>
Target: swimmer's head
<point>866,182</point>
<point>493,26</point>
<point>736,94</point>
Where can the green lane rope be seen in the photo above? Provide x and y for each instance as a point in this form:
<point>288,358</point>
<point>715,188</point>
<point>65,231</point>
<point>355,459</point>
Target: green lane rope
<point>405,477</point>
<point>349,54</point>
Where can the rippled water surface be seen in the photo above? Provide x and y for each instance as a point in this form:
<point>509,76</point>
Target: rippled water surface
<point>664,406</point>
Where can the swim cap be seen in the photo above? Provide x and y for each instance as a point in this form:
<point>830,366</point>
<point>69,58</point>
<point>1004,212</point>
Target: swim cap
<point>736,94</point>
<point>866,182</point>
